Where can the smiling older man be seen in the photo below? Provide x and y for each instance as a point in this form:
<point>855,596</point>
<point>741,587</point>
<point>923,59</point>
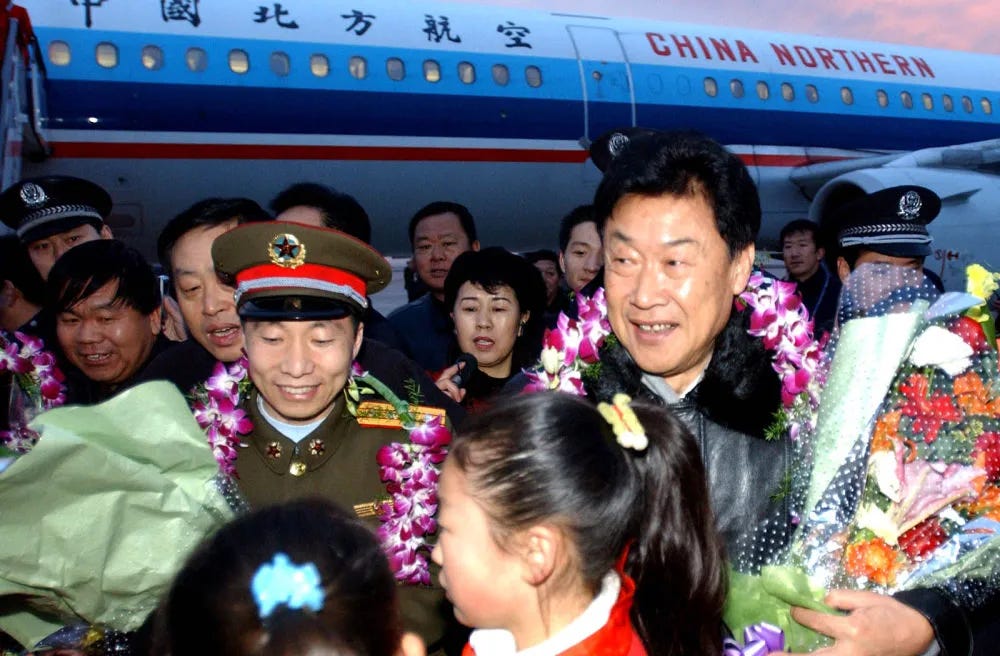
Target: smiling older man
<point>679,215</point>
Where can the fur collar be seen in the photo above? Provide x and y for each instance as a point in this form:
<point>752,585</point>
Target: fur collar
<point>740,389</point>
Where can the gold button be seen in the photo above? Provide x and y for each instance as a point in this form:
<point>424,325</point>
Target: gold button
<point>297,468</point>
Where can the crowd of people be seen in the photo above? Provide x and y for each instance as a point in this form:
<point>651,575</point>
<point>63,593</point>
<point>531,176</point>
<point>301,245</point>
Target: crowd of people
<point>555,524</point>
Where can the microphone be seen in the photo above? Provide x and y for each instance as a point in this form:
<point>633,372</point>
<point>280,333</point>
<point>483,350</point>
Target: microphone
<point>461,379</point>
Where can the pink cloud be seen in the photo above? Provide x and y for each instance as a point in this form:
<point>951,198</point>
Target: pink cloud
<point>970,25</point>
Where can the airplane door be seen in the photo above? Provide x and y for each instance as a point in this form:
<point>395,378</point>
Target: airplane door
<point>606,78</point>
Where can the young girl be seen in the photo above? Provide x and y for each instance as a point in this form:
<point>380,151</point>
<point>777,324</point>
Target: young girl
<point>300,579</point>
<point>569,529</point>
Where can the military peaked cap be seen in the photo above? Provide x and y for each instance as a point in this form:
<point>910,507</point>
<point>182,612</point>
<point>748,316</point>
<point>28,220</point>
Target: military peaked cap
<point>287,271</point>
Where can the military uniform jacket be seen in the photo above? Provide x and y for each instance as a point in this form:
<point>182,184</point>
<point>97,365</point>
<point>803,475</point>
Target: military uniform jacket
<point>336,462</point>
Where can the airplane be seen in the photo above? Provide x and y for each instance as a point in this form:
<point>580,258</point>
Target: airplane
<point>166,102</point>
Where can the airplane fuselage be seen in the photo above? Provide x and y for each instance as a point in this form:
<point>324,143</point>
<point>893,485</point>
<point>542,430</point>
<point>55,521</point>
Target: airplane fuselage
<point>167,102</point>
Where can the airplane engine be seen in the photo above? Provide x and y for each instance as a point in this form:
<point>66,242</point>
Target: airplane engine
<point>965,231</point>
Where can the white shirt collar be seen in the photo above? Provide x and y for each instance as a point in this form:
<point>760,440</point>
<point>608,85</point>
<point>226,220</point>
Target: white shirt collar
<point>500,642</point>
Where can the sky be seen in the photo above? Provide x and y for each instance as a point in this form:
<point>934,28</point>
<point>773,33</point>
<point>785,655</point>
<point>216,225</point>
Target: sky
<point>970,25</point>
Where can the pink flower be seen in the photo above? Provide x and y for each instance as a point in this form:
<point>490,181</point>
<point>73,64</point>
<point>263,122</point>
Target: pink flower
<point>232,420</point>
<point>565,381</point>
<point>431,433</point>
<point>11,360</point>
<point>222,381</point>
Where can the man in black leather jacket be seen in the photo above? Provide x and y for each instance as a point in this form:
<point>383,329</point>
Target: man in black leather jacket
<point>679,215</point>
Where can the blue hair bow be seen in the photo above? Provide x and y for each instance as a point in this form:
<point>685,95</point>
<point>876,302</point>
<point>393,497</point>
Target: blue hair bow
<point>282,582</point>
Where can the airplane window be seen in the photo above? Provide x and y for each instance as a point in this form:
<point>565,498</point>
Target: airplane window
<point>239,61</point>
<point>763,91</point>
<point>812,93</point>
<point>432,71</point>
<point>358,66</point>
<point>107,55</point>
<point>947,103</point>
<point>882,97</point>
<point>152,58</point>
<point>711,88</point>
<point>59,53</point>
<point>906,99</point>
<point>466,72</point>
<point>985,104</point>
<point>395,69</point>
<point>847,95</point>
<point>927,100</point>
<point>197,60</point>
<point>319,65</point>
<point>787,91</point>
<point>281,65</point>
<point>533,76</point>
<point>736,88</point>
<point>501,74</point>
<point>967,104</point>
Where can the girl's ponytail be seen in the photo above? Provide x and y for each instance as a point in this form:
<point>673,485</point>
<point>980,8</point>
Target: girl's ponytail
<point>677,560</point>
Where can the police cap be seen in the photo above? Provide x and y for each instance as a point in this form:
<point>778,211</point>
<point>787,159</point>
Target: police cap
<point>287,271</point>
<point>36,208</point>
<point>890,221</point>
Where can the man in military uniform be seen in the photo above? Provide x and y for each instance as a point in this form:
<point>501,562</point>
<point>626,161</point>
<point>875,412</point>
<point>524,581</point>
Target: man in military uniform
<point>300,291</point>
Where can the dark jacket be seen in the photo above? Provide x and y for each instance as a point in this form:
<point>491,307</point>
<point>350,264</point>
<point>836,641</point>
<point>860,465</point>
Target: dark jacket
<point>727,413</point>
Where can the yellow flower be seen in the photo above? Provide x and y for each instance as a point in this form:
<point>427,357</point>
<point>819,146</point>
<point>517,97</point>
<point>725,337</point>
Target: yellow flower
<point>980,282</point>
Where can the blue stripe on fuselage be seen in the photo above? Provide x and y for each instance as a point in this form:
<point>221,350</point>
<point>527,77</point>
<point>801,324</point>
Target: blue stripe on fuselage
<point>130,97</point>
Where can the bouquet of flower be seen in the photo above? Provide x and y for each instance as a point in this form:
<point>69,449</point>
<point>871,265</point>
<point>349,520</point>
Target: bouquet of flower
<point>896,484</point>
<point>38,385</point>
<point>102,512</point>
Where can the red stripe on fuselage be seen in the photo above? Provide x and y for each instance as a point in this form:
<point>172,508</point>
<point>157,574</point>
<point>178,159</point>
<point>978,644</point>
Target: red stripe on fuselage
<point>96,150</point>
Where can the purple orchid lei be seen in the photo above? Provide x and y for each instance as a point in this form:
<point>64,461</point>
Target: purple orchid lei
<point>410,471</point>
<point>571,348</point>
<point>215,404</point>
<point>38,377</point>
<point>779,318</point>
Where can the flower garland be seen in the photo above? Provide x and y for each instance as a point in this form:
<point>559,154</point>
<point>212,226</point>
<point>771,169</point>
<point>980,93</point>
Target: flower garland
<point>571,351</point>
<point>781,320</point>
<point>215,404</point>
<point>410,471</point>
<point>39,379</point>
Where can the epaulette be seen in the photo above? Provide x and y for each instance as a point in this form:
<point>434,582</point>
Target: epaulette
<point>381,414</point>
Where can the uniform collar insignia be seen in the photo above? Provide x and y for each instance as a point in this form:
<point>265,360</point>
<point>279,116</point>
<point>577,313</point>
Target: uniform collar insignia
<point>32,195</point>
<point>909,206</point>
<point>287,251</point>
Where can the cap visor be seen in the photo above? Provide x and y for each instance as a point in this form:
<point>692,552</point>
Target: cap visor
<point>295,308</point>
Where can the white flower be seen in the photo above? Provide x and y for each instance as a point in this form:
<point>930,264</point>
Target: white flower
<point>552,359</point>
<point>883,466</point>
<point>879,523</point>
<point>943,349</point>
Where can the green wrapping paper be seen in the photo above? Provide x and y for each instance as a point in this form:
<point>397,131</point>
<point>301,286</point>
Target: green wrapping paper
<point>769,597</point>
<point>101,514</point>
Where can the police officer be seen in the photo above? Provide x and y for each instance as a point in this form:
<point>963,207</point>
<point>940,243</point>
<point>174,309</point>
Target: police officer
<point>888,226</point>
<point>300,293</point>
<point>52,214</point>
